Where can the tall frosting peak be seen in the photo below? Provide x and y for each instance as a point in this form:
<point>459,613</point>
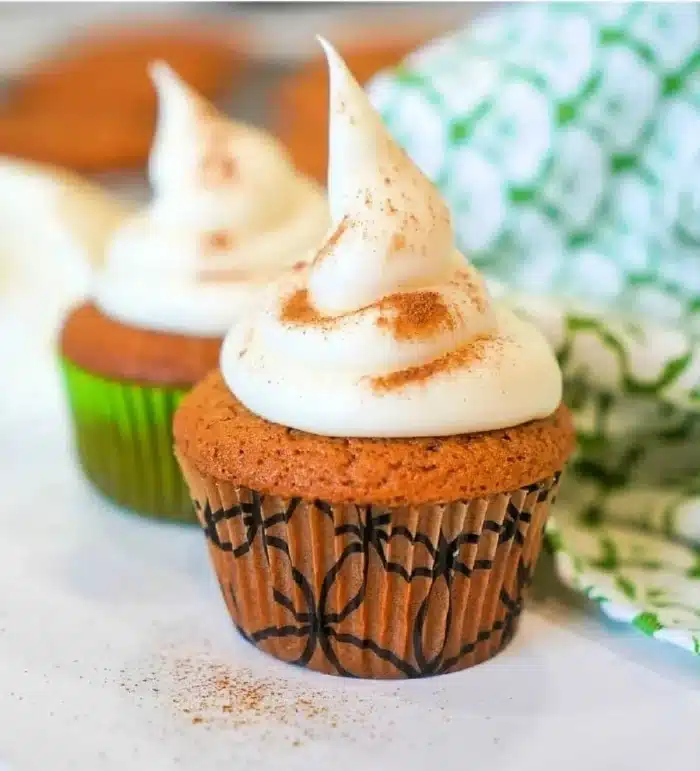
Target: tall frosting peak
<point>385,212</point>
<point>390,332</point>
<point>196,147</point>
<point>229,215</point>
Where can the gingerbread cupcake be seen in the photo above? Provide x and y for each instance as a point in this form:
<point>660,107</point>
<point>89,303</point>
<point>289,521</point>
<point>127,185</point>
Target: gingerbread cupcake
<point>375,460</point>
<point>228,216</point>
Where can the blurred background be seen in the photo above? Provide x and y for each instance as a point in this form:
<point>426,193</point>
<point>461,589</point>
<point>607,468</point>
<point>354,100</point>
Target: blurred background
<point>78,110</point>
<point>76,94</point>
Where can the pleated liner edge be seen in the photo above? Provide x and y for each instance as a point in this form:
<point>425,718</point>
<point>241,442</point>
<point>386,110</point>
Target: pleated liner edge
<point>124,440</point>
<point>366,591</point>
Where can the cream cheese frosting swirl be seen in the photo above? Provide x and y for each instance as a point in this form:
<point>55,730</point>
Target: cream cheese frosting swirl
<point>229,214</point>
<point>390,332</point>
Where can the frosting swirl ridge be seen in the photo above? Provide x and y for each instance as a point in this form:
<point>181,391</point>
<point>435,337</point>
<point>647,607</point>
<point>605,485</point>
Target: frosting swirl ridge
<point>389,332</point>
<point>229,214</point>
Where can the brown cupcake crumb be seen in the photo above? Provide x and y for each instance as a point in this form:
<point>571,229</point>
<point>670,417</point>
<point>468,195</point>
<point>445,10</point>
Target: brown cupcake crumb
<point>222,439</point>
<point>100,345</point>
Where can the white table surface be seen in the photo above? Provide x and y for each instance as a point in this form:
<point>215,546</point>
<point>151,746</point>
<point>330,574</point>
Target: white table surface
<point>112,626</point>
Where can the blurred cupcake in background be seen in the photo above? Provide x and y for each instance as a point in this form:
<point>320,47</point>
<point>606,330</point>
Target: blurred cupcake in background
<point>54,225</point>
<point>229,216</point>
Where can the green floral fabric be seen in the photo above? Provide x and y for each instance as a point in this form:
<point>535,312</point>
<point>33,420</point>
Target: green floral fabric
<point>566,140</point>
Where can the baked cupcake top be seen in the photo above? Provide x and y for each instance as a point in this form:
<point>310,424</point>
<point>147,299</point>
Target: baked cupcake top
<point>229,214</point>
<point>389,332</point>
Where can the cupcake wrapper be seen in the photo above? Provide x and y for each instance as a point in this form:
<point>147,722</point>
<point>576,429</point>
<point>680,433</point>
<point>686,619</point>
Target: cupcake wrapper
<point>366,591</point>
<point>123,434</point>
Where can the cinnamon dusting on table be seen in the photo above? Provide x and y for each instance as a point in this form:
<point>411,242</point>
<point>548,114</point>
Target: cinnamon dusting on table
<point>473,352</point>
<point>210,694</point>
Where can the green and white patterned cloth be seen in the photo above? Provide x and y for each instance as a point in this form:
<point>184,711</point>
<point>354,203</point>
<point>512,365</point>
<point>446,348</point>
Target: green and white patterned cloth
<point>566,139</point>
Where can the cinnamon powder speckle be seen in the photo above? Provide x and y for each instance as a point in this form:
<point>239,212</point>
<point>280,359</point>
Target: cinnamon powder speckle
<point>398,242</point>
<point>217,241</point>
<point>407,316</point>
<point>415,315</point>
<point>297,309</point>
<point>462,357</point>
<point>217,169</point>
<point>218,166</point>
<point>467,282</point>
<point>332,241</point>
<point>211,694</point>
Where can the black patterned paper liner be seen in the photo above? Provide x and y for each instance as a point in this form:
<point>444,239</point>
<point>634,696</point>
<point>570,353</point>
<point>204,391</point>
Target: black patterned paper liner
<point>439,561</point>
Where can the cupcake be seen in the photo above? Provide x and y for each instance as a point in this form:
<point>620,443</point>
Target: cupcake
<point>229,215</point>
<point>374,462</point>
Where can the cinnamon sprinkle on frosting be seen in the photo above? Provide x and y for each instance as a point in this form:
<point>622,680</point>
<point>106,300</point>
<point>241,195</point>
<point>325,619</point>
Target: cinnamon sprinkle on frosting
<point>473,352</point>
<point>398,242</point>
<point>415,315</point>
<point>217,169</point>
<point>407,315</point>
<point>218,241</point>
<point>297,309</point>
<point>332,241</point>
<point>465,281</point>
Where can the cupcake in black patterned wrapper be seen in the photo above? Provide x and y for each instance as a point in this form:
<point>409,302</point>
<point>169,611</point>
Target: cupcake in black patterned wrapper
<point>374,463</point>
<point>229,214</point>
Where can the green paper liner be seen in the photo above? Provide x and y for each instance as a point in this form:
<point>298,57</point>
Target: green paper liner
<point>123,436</point>
<point>366,591</point>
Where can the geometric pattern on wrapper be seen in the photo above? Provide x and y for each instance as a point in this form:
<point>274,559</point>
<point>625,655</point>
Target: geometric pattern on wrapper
<point>362,590</point>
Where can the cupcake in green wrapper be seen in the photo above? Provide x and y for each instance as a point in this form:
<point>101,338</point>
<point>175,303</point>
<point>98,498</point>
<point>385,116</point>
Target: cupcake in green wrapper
<point>230,214</point>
